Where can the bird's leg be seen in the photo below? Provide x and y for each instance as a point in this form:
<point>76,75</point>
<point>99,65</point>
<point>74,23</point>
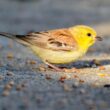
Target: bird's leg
<point>54,67</point>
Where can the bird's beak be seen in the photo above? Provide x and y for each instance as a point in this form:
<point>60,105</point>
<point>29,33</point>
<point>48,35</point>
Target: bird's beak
<point>99,38</point>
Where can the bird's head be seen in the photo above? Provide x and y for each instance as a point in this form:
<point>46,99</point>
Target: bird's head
<point>84,35</point>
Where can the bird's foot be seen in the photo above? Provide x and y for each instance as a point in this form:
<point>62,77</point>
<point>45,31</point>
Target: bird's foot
<point>55,67</point>
<point>62,69</point>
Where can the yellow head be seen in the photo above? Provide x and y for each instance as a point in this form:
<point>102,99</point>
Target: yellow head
<point>84,35</point>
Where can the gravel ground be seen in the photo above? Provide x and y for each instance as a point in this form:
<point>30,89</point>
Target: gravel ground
<point>28,84</point>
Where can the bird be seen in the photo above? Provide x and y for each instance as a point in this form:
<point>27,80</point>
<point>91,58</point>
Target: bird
<point>58,46</point>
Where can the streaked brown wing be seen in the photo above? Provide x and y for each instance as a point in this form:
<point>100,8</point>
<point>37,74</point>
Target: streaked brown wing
<point>60,39</point>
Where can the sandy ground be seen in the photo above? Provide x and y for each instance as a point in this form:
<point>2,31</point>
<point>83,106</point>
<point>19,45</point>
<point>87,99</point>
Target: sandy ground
<point>28,84</point>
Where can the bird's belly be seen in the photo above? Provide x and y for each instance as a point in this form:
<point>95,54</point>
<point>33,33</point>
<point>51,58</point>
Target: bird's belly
<point>57,57</point>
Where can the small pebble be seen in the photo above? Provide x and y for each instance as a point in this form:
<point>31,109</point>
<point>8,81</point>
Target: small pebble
<point>62,79</point>
<point>7,87</point>
<point>10,73</point>
<point>101,68</point>
<point>96,84</point>
<point>75,76</point>
<point>75,85</point>
<point>32,62</point>
<point>5,93</point>
<point>11,83</point>
<point>23,85</point>
<point>81,81</point>
<point>82,91</point>
<point>68,76</point>
<point>10,55</point>
<point>48,77</point>
<point>67,87</point>
<point>41,68</point>
<point>1,77</point>
<point>20,87</point>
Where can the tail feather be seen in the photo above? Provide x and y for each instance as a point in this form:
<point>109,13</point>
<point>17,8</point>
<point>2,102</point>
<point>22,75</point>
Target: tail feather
<point>12,36</point>
<point>18,38</point>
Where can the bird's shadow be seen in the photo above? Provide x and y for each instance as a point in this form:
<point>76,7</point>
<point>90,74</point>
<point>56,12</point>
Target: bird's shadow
<point>87,64</point>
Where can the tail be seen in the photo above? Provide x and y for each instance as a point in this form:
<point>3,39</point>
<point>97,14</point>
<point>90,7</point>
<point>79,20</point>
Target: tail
<point>18,38</point>
<point>11,36</point>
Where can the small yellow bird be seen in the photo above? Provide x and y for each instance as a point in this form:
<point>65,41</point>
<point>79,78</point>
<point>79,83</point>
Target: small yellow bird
<point>58,46</point>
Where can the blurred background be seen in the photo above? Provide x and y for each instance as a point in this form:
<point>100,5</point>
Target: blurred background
<point>23,16</point>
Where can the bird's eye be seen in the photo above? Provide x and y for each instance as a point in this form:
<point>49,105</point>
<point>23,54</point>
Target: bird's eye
<point>89,34</point>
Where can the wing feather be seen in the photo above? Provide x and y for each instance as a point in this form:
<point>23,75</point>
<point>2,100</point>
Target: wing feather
<point>60,39</point>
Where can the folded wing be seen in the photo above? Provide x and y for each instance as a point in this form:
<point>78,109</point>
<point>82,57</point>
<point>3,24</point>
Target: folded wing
<point>60,39</point>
